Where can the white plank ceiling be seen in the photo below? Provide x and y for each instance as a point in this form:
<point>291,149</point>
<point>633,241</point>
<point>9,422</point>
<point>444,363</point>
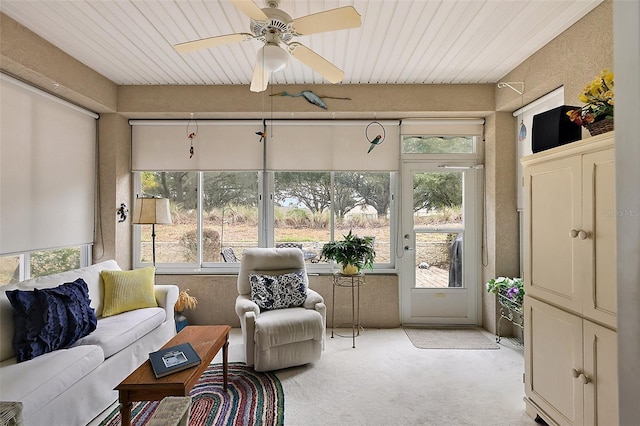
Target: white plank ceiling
<point>422,41</point>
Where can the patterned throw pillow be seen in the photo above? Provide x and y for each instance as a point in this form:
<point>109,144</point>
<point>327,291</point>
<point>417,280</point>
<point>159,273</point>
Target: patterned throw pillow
<point>278,291</point>
<point>50,319</point>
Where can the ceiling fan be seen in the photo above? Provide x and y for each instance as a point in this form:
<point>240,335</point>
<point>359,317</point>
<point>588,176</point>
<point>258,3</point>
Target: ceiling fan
<point>275,28</point>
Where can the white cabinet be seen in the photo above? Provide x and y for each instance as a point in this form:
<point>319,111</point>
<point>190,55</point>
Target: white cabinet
<point>570,367</point>
<point>570,282</point>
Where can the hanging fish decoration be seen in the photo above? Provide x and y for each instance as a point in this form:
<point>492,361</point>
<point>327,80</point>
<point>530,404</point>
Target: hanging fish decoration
<point>310,97</point>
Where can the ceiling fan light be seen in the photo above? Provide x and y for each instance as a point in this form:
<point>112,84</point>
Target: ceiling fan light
<point>272,58</point>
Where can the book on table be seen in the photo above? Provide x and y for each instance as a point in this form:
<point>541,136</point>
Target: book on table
<point>173,359</point>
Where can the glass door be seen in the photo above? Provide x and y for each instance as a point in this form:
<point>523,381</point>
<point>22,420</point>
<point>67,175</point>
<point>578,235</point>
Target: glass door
<point>440,245</point>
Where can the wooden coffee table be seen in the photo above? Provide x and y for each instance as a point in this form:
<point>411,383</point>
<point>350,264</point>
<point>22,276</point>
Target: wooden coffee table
<point>142,385</point>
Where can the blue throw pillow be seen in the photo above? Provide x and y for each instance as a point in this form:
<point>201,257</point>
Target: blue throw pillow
<point>50,319</point>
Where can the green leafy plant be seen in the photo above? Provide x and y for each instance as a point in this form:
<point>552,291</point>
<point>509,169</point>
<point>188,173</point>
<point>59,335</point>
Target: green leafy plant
<point>512,288</point>
<point>352,250</point>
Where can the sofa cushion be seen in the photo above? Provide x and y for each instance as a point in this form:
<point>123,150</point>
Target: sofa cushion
<point>38,381</point>
<point>278,291</point>
<point>116,332</point>
<point>50,319</point>
<point>128,290</point>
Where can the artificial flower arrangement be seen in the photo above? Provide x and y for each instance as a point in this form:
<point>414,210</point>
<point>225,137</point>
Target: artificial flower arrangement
<point>185,301</point>
<point>511,288</point>
<point>598,97</point>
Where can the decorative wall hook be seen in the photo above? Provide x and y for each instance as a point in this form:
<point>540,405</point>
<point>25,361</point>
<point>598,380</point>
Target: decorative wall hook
<point>522,133</point>
<point>509,84</point>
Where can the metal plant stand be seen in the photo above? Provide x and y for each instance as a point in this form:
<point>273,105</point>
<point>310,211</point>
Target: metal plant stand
<point>354,282</point>
<point>511,311</point>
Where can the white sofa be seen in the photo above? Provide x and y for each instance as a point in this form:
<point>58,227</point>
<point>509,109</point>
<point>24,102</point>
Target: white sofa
<point>72,386</point>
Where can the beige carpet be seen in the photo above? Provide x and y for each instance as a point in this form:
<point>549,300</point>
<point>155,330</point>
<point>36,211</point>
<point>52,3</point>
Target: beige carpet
<point>386,381</point>
<point>449,338</point>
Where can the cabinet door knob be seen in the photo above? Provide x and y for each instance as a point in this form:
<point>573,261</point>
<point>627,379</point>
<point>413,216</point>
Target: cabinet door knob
<point>573,233</point>
<point>575,373</point>
<point>584,379</point>
<point>582,235</point>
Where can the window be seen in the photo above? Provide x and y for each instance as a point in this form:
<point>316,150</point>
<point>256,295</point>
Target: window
<point>310,181</point>
<point>437,145</point>
<point>307,210</point>
<point>20,267</point>
<point>312,208</point>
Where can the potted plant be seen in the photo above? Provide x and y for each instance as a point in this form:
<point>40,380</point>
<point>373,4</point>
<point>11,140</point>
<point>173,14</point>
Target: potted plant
<point>185,301</point>
<point>597,114</point>
<point>352,253</point>
<point>510,291</point>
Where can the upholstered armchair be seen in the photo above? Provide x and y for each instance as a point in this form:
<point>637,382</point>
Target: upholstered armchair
<point>277,336</point>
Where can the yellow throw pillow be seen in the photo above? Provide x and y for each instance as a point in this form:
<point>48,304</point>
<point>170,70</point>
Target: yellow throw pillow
<point>128,290</point>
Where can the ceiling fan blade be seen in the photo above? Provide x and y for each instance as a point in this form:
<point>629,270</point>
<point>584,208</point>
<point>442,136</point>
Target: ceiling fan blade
<point>316,62</point>
<point>250,9</point>
<point>341,18</point>
<point>260,79</point>
<point>206,43</point>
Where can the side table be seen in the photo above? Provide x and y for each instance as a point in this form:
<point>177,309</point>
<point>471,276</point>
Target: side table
<point>354,282</point>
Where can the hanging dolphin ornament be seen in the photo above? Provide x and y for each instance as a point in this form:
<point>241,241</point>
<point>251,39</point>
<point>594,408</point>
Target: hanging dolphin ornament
<point>376,141</point>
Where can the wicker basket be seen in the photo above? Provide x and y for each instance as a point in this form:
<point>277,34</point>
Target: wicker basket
<point>599,127</point>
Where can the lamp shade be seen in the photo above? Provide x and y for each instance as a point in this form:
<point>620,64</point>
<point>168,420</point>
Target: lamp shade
<point>272,57</point>
<point>153,211</point>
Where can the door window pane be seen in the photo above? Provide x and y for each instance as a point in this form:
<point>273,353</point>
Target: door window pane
<point>438,223</point>
<point>439,259</point>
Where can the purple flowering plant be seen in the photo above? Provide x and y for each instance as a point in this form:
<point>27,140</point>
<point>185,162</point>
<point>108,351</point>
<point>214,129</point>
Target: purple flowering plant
<point>512,288</point>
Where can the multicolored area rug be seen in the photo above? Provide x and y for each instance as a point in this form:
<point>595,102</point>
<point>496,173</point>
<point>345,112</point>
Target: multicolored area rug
<point>251,398</point>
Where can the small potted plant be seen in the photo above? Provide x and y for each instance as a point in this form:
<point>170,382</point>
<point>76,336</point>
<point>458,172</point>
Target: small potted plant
<point>185,301</point>
<point>510,291</point>
<point>352,253</point>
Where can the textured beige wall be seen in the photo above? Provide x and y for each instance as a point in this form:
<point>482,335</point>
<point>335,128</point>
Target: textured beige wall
<point>385,101</point>
<point>571,60</point>
<point>113,239</point>
<point>216,294</point>
<point>502,239</point>
<point>28,57</point>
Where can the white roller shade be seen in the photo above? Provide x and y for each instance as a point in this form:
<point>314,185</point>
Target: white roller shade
<point>47,173</point>
<point>307,145</point>
<point>228,145</point>
<point>442,127</point>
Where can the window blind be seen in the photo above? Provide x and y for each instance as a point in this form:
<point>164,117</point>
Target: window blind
<point>47,173</point>
<point>307,145</point>
<point>222,145</point>
<point>291,145</point>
